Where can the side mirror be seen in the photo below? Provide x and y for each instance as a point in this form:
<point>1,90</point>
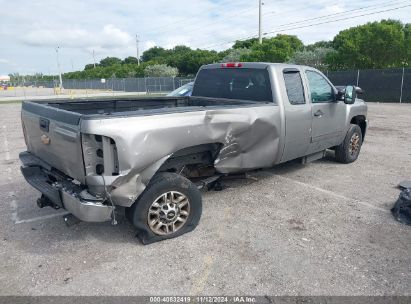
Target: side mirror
<point>350,94</point>
<point>358,90</point>
<point>340,94</point>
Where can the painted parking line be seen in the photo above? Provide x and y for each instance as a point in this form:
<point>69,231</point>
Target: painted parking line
<point>6,143</point>
<point>40,218</point>
<point>15,218</point>
<point>330,193</point>
<point>201,280</point>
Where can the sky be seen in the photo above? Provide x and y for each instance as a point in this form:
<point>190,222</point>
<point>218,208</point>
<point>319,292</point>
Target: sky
<point>31,30</point>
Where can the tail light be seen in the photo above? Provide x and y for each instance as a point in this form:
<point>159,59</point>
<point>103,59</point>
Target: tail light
<point>231,65</point>
<point>100,155</point>
<point>24,133</point>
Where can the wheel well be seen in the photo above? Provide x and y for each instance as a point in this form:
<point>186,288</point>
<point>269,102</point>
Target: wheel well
<point>193,161</point>
<point>360,121</point>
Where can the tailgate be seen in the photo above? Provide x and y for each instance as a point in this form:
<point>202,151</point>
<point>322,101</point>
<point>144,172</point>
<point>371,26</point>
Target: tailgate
<point>53,135</point>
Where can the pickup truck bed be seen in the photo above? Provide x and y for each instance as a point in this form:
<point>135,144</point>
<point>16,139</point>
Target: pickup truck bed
<point>143,106</point>
<point>69,127</point>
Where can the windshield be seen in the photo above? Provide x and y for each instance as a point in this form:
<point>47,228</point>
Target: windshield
<point>234,83</point>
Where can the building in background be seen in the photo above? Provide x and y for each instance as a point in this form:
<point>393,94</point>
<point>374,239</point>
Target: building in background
<point>4,79</point>
<point>4,82</point>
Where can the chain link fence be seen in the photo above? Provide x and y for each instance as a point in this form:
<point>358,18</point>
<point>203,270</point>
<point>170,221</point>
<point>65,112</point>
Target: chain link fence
<point>384,85</point>
<point>73,87</point>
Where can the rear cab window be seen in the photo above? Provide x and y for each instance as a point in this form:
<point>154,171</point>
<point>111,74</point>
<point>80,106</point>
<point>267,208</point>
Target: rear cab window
<point>294,86</point>
<point>234,83</point>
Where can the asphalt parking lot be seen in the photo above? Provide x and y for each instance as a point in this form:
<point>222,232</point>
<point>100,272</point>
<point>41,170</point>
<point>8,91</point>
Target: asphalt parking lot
<point>317,229</point>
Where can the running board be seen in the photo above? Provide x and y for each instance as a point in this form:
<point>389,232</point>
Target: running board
<point>313,157</point>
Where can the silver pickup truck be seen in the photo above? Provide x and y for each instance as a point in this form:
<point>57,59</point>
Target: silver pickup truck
<point>151,155</point>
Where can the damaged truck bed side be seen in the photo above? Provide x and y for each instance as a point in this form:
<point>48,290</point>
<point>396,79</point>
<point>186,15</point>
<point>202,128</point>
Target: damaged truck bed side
<point>147,154</point>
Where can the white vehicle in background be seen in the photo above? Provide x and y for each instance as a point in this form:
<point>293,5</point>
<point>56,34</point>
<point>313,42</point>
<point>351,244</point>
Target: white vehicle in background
<point>184,90</point>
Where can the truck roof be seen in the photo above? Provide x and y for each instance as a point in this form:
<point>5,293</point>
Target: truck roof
<point>255,65</point>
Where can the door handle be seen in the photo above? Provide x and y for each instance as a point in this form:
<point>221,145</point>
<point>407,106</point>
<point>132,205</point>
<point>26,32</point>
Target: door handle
<point>44,124</point>
<point>319,113</point>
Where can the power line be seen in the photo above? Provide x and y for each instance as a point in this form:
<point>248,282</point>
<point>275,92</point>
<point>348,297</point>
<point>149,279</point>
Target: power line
<point>231,16</point>
<point>204,26</point>
<point>362,15</point>
<point>387,4</point>
<point>291,11</point>
<point>324,17</point>
<point>242,12</point>
<point>305,26</point>
<point>153,30</point>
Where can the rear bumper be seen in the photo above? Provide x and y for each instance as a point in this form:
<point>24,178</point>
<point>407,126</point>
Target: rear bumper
<point>62,191</point>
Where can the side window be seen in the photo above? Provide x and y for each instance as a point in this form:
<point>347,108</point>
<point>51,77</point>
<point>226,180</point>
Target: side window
<point>294,86</point>
<point>320,89</point>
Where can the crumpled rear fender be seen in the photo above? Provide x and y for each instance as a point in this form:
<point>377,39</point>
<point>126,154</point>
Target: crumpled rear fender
<point>251,137</point>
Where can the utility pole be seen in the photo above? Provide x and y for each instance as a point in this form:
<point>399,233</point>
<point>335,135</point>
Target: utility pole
<point>260,37</point>
<point>138,51</point>
<point>402,83</point>
<point>58,67</point>
<point>94,60</point>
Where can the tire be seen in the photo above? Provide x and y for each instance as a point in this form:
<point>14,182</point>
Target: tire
<point>175,207</point>
<point>349,150</point>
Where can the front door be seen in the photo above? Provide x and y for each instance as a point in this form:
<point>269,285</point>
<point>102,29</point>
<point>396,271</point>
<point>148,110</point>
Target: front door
<point>328,115</point>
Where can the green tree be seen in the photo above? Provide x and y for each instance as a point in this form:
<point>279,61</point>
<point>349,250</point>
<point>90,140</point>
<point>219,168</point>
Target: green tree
<point>155,54</point>
<point>188,61</point>
<point>277,49</point>
<point>317,58</point>
<point>112,71</point>
<point>89,66</point>
<point>245,44</point>
<point>130,60</point>
<point>235,55</point>
<point>319,44</point>
<point>372,45</point>
<point>109,61</point>
<point>14,77</point>
<point>160,70</point>
<point>407,42</point>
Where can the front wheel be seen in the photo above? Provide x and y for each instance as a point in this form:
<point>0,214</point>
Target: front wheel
<point>170,206</point>
<point>348,151</point>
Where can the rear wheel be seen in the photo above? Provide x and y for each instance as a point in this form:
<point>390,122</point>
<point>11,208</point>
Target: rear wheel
<point>170,206</point>
<point>348,151</point>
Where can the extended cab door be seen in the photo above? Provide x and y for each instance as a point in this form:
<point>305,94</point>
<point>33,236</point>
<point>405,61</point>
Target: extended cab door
<point>298,119</point>
<point>328,114</point>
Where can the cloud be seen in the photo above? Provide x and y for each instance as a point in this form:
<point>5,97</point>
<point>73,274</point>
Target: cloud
<point>5,61</point>
<point>30,33</point>
<point>175,40</point>
<point>110,37</point>
<point>149,44</point>
<point>332,9</point>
